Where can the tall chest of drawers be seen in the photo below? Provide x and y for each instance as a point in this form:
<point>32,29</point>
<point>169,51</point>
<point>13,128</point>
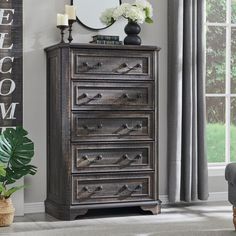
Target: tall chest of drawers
<point>102,128</point>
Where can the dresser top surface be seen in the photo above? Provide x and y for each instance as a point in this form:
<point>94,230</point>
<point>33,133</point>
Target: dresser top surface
<point>102,46</point>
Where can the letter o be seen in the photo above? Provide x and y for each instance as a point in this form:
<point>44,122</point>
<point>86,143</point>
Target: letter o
<point>12,87</point>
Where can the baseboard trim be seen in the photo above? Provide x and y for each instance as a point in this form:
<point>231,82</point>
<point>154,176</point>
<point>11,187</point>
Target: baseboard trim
<point>39,207</point>
<point>213,197</point>
<point>164,199</point>
<point>35,207</point>
<point>218,197</point>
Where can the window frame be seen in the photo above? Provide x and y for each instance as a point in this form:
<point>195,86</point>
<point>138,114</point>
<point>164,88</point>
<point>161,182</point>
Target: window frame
<point>227,95</point>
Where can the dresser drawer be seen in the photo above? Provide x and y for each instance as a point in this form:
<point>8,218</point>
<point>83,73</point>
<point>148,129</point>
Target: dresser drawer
<point>112,64</point>
<point>112,96</point>
<point>112,157</point>
<point>111,126</point>
<point>112,188</point>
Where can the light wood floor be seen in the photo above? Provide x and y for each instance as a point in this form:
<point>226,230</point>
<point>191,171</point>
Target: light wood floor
<point>197,219</point>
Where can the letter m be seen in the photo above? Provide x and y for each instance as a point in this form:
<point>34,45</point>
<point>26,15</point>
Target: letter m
<point>9,113</point>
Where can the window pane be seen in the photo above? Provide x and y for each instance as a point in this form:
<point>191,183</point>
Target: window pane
<point>233,61</point>
<point>216,11</point>
<point>215,129</point>
<point>215,55</point>
<point>233,130</point>
<point>233,13</point>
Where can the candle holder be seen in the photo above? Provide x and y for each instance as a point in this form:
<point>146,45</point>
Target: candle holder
<point>71,22</point>
<point>62,28</point>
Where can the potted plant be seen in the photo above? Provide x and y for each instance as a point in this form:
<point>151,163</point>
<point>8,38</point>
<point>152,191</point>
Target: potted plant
<point>137,13</point>
<point>16,152</point>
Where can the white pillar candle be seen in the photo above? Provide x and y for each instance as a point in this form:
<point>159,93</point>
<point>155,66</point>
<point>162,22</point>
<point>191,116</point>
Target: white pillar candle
<point>71,12</point>
<point>59,19</point>
<point>62,19</point>
<point>65,19</point>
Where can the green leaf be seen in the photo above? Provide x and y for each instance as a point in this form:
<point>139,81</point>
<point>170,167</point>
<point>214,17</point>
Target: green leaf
<point>16,152</point>
<point>2,171</point>
<point>13,174</point>
<point>12,190</point>
<point>148,20</point>
<point>16,147</point>
<point>2,189</point>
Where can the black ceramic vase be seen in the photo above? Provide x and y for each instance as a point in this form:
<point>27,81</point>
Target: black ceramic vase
<point>132,29</point>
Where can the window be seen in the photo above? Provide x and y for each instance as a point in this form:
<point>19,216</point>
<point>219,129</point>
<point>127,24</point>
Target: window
<point>221,81</point>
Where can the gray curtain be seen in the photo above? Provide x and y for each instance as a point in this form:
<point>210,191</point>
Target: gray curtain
<point>187,161</point>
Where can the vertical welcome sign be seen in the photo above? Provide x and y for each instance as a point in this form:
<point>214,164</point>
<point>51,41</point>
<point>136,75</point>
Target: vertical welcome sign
<point>11,63</point>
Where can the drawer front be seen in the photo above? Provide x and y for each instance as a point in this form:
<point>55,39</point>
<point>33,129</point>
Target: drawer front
<point>112,96</point>
<point>113,188</point>
<point>112,157</point>
<point>112,64</point>
<point>115,126</point>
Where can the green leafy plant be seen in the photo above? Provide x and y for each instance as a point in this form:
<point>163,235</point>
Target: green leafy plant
<point>16,152</point>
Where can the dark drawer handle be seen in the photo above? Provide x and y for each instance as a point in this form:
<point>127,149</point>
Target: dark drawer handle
<point>136,189</point>
<point>99,126</point>
<point>93,67</point>
<point>96,97</point>
<point>136,128</point>
<point>129,68</point>
<point>97,189</point>
<point>138,157</point>
<point>126,96</point>
<point>98,158</point>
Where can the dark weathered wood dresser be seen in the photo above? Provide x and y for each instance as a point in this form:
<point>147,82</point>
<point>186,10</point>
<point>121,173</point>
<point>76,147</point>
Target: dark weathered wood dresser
<point>102,128</point>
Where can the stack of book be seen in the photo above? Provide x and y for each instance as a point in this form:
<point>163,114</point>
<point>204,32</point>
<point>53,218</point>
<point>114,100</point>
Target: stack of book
<point>106,39</point>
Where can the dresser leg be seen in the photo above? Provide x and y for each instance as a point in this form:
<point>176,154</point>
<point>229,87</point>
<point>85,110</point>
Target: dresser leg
<point>154,209</point>
<point>77,214</point>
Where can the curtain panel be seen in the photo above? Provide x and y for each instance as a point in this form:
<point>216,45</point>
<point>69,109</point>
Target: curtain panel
<point>187,161</point>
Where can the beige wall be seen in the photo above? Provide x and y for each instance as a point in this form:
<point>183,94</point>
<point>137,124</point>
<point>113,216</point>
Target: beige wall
<point>40,32</point>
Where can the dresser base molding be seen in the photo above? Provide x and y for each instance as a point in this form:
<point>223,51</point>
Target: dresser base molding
<point>63,212</point>
<point>74,212</point>
<point>154,209</point>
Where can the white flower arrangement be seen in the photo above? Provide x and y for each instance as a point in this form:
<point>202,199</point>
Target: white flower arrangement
<point>140,11</point>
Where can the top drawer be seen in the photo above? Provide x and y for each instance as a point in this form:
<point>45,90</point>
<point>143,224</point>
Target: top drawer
<point>112,64</point>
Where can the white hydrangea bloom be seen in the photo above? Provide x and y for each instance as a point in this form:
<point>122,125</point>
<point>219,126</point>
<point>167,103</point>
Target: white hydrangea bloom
<point>120,11</point>
<point>143,4</point>
<point>135,14</point>
<point>107,16</point>
<point>125,6</point>
<point>140,11</point>
<point>117,13</point>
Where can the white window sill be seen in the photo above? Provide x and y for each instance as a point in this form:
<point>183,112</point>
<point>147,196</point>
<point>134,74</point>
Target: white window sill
<point>216,170</point>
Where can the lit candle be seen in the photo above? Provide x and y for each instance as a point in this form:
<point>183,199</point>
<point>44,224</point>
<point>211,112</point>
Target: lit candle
<point>62,19</point>
<point>71,12</point>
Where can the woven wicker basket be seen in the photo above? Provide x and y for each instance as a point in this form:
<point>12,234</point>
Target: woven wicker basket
<point>6,212</point>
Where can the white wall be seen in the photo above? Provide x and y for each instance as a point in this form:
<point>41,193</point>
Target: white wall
<point>39,32</point>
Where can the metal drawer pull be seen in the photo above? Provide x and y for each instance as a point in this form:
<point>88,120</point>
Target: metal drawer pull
<point>136,189</point>
<point>125,65</point>
<point>138,157</point>
<point>96,66</point>
<point>98,158</point>
<point>136,128</point>
<point>126,96</point>
<point>97,189</point>
<point>96,97</point>
<point>99,126</point>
